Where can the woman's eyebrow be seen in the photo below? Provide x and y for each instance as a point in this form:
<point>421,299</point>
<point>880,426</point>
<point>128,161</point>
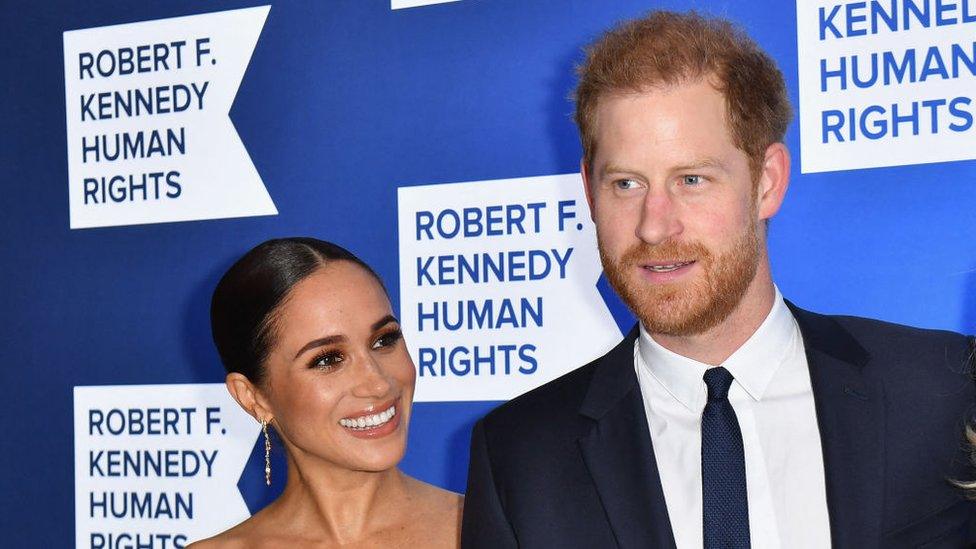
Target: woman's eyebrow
<point>322,341</point>
<point>384,321</point>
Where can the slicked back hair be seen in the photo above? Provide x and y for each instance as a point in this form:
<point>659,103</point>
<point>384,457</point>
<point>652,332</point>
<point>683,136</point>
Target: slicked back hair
<point>244,303</point>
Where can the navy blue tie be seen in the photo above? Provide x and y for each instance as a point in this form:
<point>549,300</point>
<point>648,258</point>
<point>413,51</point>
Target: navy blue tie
<point>725,506</point>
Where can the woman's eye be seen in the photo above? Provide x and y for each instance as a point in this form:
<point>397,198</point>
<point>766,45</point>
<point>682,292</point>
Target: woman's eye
<point>388,340</point>
<point>326,360</point>
<point>692,179</point>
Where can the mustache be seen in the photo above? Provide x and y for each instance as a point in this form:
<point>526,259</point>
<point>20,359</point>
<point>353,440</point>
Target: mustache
<point>669,250</point>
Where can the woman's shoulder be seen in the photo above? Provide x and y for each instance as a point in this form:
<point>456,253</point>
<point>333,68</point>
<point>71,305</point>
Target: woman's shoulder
<point>242,536</point>
<point>224,540</point>
<point>434,498</point>
<point>425,516</point>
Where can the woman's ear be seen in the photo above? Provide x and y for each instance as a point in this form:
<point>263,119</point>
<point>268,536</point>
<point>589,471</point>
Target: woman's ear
<point>248,396</point>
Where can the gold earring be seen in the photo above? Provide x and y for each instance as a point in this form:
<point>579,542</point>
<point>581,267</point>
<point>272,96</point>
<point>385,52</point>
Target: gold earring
<point>267,452</point>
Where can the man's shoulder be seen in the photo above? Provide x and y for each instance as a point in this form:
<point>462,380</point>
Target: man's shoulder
<point>879,335</point>
<point>554,407</point>
<point>548,402</point>
<point>904,351</point>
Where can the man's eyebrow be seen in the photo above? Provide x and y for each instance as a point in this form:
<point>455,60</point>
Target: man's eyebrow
<point>613,168</point>
<point>707,162</point>
<point>320,342</point>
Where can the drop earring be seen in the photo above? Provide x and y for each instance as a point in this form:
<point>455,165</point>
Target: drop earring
<point>267,452</point>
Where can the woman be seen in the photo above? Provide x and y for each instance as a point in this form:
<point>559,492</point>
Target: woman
<point>312,350</point>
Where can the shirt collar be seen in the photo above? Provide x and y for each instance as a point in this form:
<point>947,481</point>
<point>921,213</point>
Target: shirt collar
<point>753,365</point>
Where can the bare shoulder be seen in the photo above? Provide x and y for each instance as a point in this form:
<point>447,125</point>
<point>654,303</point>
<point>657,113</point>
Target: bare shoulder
<point>239,537</point>
<point>438,500</point>
<point>438,514</point>
<point>220,541</point>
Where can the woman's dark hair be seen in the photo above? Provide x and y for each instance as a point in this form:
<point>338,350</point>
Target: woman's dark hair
<point>247,296</point>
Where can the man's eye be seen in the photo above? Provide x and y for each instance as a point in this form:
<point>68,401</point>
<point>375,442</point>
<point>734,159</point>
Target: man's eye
<point>625,184</point>
<point>692,179</point>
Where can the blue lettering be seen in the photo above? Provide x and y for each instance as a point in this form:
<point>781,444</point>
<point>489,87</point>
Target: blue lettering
<point>453,364</point>
<point>453,217</point>
<point>941,8</point>
<point>507,314</point>
<point>515,214</point>
<point>423,271</point>
<point>538,273</point>
<point>852,19</point>
<point>529,359</point>
<point>425,220</point>
<point>444,267</point>
<point>881,124</point>
<point>493,221</point>
<point>536,207</point>
<point>423,315</point>
<point>514,265</point>
<point>923,16</point>
<point>874,72</point>
<point>831,122</point>
<point>562,261</point>
<point>426,358</point>
<point>959,54</point>
<point>958,112</point>
<point>891,66</point>
<point>472,222</point>
<point>840,73</point>
<point>933,65</point>
<point>564,205</point>
<point>827,23</point>
<point>480,360</point>
<point>968,16</point>
<point>933,106</point>
<point>95,463</point>
<point>897,120</point>
<point>890,18</point>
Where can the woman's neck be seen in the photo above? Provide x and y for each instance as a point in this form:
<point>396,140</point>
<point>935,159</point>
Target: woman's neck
<point>328,503</point>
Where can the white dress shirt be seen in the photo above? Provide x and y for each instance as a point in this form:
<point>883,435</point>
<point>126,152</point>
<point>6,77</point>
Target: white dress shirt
<point>773,401</point>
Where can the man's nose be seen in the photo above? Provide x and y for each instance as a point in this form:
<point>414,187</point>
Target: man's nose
<point>659,219</point>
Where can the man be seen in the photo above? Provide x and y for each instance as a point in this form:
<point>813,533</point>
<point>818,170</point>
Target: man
<point>728,417</point>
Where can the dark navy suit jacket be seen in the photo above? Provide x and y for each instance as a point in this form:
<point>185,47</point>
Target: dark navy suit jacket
<point>570,464</point>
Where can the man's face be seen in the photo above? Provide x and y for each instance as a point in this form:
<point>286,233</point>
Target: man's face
<point>676,208</point>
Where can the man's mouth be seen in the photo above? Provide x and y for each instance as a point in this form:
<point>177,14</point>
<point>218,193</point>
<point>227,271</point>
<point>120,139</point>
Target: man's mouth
<point>369,421</point>
<point>667,267</point>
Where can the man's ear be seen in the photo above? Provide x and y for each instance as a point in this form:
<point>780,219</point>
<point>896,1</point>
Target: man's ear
<point>773,180</point>
<point>248,396</point>
<point>586,186</point>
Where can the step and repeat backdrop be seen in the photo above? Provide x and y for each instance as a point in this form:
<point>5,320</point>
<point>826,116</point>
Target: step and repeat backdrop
<point>146,147</point>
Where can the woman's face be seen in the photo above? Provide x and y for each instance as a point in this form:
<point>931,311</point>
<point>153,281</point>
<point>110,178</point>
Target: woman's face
<point>339,379</point>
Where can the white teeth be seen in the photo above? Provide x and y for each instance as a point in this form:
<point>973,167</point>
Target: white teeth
<point>666,268</point>
<point>369,422</point>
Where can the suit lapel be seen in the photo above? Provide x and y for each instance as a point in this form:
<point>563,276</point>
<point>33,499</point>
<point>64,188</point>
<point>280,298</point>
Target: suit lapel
<point>619,456</point>
<point>850,415</point>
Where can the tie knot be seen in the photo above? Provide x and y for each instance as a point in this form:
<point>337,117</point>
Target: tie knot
<point>718,381</point>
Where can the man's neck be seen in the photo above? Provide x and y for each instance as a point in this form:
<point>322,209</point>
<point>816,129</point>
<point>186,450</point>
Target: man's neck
<point>716,345</point>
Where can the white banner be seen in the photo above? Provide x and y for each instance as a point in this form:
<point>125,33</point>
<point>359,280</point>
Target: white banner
<point>886,83</point>
<point>149,135</point>
<point>401,4</point>
<point>498,285</point>
<point>158,465</point>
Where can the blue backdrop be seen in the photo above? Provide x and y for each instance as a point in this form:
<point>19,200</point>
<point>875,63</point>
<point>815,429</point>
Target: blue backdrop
<point>342,103</point>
